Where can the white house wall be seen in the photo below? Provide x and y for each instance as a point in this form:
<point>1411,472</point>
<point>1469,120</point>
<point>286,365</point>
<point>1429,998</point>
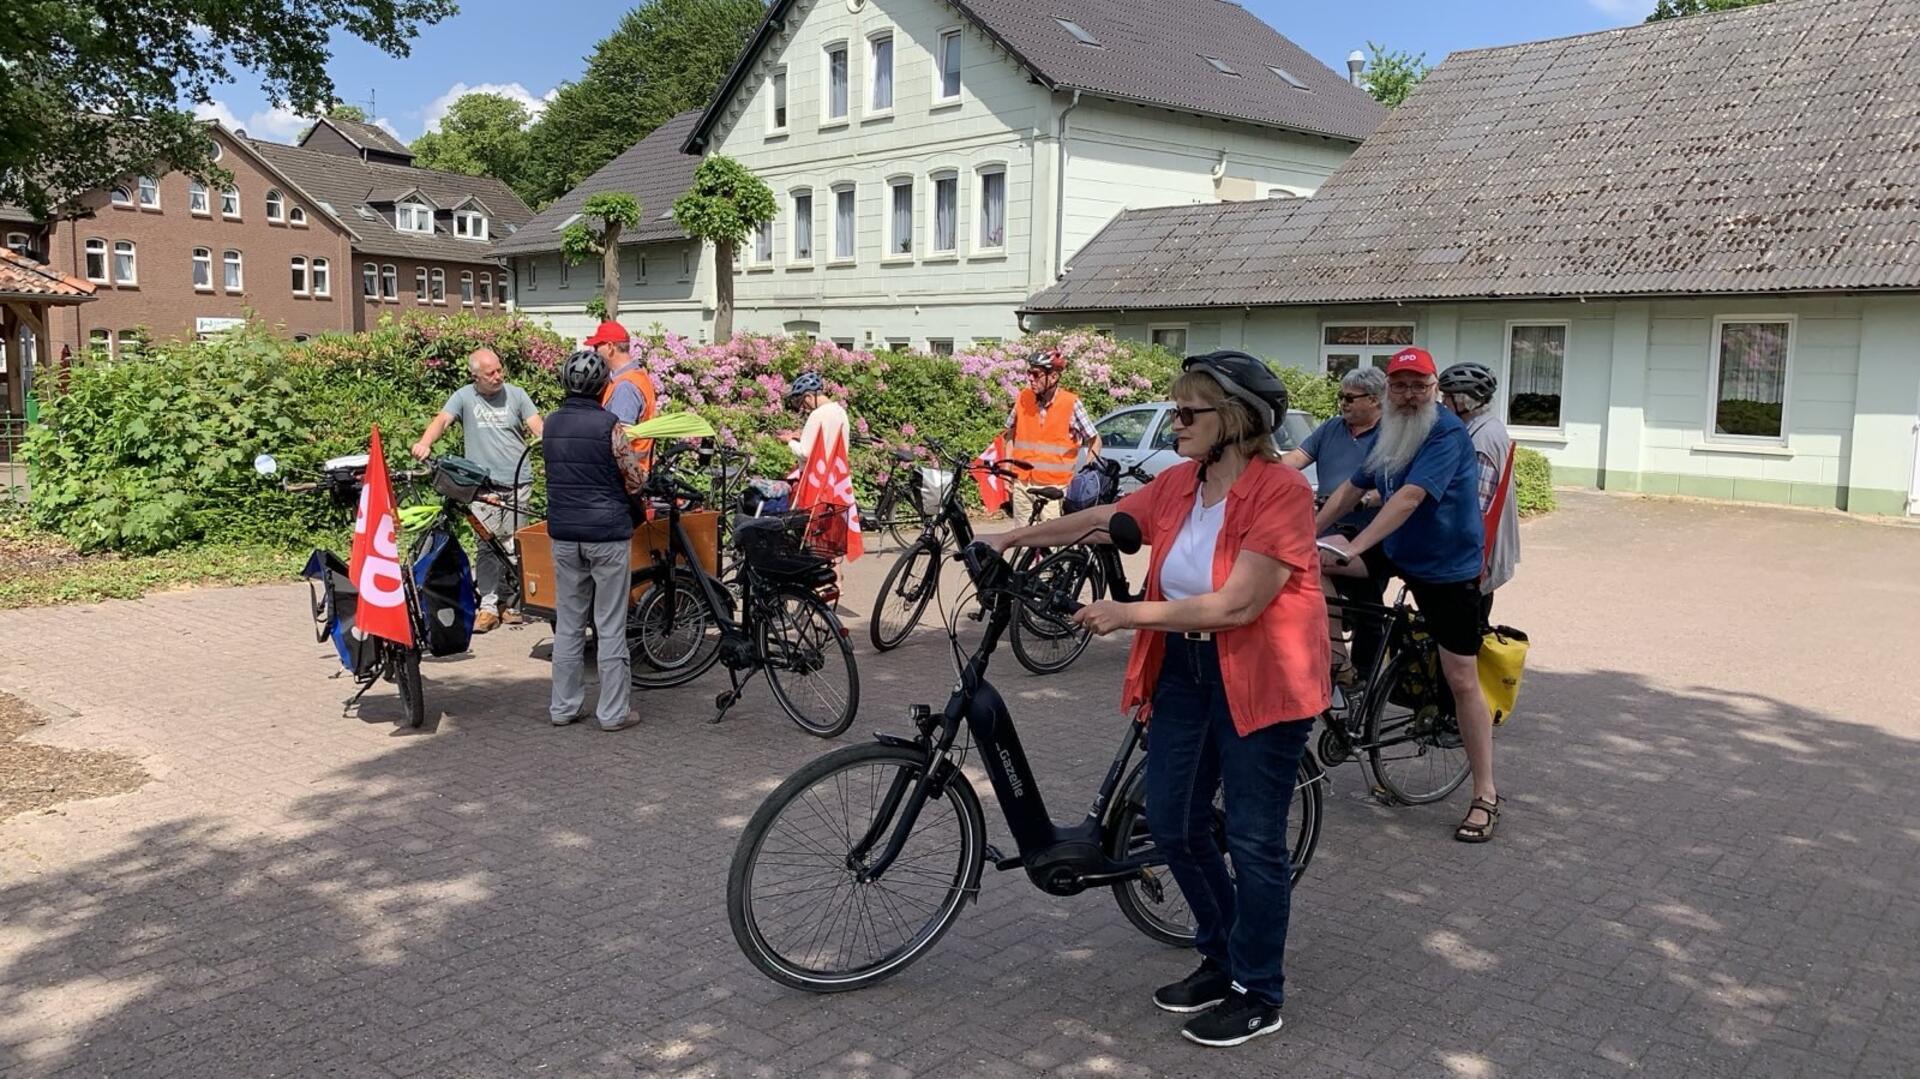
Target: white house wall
<point>666,297</point>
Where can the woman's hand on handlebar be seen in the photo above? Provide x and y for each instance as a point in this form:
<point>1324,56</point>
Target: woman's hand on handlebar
<point>1105,616</point>
<point>998,542</point>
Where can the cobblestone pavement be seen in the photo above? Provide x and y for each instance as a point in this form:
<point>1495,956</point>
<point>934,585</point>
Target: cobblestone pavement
<point>1708,867</point>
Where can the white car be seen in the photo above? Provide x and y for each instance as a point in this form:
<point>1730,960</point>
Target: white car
<point>1143,435</point>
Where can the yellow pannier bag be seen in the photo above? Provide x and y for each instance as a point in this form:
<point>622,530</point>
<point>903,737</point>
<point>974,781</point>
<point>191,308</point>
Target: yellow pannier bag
<point>1503,659</point>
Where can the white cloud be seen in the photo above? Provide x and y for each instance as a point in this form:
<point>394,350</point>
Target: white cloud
<point>437,110</point>
<point>274,123</point>
<point>1621,9</point>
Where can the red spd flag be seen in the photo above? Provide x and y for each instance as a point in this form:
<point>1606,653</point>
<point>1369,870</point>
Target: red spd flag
<point>994,491</point>
<point>827,477</point>
<point>375,567</point>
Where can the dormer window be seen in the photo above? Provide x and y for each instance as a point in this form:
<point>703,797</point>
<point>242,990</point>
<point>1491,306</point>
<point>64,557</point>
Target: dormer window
<point>413,217</point>
<point>470,225</point>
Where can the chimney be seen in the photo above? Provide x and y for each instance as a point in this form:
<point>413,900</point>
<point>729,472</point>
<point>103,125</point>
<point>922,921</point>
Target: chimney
<point>1356,63</point>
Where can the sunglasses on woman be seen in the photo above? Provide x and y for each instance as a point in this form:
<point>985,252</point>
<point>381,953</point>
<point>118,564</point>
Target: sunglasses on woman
<point>1186,415</point>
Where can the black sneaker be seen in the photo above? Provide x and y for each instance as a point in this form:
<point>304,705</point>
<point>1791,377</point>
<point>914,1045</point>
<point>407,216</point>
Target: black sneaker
<point>1239,1018</point>
<point>1196,992</point>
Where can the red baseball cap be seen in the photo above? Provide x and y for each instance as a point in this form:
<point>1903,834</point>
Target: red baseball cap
<point>612,333</point>
<point>1417,360</point>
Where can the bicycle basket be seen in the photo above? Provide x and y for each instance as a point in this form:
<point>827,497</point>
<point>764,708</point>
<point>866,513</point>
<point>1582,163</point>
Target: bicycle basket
<point>780,545</point>
<point>459,479</point>
<point>1094,485</point>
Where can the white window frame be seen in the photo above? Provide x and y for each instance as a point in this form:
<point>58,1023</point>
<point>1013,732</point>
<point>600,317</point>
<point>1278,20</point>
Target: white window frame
<point>934,343</point>
<point>566,272</point>
<point>369,281</point>
<point>420,284</point>
<point>957,38</point>
<point>892,253</point>
<point>533,274</point>
<point>466,288</point>
<point>144,186</point>
<point>834,257</point>
<point>1186,330</point>
<point>827,49</point>
<point>298,265</point>
<point>202,257</point>
<point>296,217</point>
<point>1326,349</point>
<point>230,203</point>
<point>1786,381</point>
<point>320,277</point>
<point>795,258</point>
<point>199,204</point>
<point>238,264</point>
<point>934,180</point>
<point>97,246</point>
<point>755,259</point>
<point>18,242</point>
<point>779,86</point>
<point>132,252</point>
<point>483,295</point>
<point>473,222</point>
<point>980,245</point>
<point>875,110</point>
<point>389,282</point>
<point>121,196</point>
<point>1506,375</point>
<point>276,206</point>
<point>686,262</point>
<point>411,213</point>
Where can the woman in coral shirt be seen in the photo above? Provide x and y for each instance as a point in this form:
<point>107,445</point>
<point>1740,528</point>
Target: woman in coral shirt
<point>1231,664</point>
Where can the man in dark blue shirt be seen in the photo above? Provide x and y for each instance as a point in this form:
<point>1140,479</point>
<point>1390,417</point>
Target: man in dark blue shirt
<point>1338,449</point>
<point>1428,532</point>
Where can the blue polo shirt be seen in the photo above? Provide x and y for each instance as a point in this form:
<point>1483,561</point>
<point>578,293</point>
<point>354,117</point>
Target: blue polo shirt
<point>1442,541</point>
<point>1337,455</point>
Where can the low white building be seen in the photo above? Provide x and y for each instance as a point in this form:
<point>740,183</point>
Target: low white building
<point>936,162</point>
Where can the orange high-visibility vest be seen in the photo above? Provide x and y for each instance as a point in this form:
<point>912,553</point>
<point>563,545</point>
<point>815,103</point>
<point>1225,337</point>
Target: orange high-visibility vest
<point>1046,441</point>
<point>648,405</point>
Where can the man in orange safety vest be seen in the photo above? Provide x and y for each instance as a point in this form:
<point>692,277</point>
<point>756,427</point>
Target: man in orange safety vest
<point>629,395</point>
<point>1047,429</point>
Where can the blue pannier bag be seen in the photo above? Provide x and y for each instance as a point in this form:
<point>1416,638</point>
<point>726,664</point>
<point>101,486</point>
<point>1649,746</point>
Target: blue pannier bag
<point>357,654</point>
<point>443,581</point>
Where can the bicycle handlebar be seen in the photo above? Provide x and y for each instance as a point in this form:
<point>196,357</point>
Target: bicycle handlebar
<point>1340,557</point>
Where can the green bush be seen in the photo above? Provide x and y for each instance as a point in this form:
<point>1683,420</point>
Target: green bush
<point>1533,482</point>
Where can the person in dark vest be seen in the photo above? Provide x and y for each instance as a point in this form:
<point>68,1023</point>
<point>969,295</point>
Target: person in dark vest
<point>593,503</point>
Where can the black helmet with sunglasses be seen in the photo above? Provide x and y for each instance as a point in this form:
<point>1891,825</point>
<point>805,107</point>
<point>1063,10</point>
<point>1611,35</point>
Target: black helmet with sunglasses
<point>1248,380</point>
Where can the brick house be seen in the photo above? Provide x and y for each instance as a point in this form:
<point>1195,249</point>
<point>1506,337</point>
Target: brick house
<point>294,241</point>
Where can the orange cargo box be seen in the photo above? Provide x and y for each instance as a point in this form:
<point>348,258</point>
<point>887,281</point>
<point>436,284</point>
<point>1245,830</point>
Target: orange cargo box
<point>535,552</point>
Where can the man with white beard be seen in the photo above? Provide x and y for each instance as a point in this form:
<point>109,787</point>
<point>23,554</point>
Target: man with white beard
<point>1428,532</point>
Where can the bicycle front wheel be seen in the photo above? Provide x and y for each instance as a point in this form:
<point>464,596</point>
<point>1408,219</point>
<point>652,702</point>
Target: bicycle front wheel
<point>809,662</point>
<point>404,667</point>
<point>1045,641</point>
<point>904,595</point>
<point>1153,901</point>
<point>795,899</point>
<point>1412,738</point>
<point>673,633</point>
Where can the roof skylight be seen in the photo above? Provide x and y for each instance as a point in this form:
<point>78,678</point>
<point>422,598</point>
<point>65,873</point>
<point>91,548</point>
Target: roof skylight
<point>1080,34</point>
<point>1221,66</point>
<point>1288,78</point>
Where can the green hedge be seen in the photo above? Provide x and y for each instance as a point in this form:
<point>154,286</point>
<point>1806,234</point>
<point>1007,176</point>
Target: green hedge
<point>1533,482</point>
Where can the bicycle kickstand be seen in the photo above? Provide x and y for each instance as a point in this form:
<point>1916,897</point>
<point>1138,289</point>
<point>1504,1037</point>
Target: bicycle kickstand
<point>731,697</point>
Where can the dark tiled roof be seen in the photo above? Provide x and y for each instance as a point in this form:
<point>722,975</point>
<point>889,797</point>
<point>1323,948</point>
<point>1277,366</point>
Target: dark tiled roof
<point>21,276</point>
<point>368,136</point>
<point>1771,149</point>
<point>653,171</point>
<point>347,183</point>
<point>1153,52</point>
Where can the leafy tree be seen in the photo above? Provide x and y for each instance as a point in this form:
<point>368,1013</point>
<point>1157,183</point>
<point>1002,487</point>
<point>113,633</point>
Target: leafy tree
<point>481,135</point>
<point>1391,76</point>
<point>90,89</point>
<point>342,111</point>
<point>723,206</point>
<point>1679,9</point>
<point>613,211</point>
<point>664,57</point>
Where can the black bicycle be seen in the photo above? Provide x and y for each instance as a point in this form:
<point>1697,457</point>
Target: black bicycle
<point>1402,726</point>
<point>686,620</point>
<point>1044,642</point>
<point>900,508</point>
<point>856,865</point>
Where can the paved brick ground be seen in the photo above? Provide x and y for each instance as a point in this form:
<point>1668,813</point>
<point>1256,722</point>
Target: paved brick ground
<point>1709,866</point>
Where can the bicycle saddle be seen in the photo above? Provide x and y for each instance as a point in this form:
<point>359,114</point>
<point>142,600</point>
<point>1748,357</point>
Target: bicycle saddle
<point>905,457</point>
<point>1046,494</point>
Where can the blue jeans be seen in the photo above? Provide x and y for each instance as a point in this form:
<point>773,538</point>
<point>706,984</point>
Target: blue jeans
<point>1192,751</point>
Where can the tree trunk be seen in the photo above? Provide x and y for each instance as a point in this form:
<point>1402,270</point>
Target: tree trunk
<point>722,291</point>
<point>610,264</point>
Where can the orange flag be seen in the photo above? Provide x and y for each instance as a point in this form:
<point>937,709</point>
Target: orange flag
<point>827,477</point>
<point>375,567</point>
<point>994,492</point>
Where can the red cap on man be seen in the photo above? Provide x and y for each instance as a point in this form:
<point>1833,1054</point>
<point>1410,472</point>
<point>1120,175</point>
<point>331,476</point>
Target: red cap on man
<point>1416,360</point>
<point>609,333</point>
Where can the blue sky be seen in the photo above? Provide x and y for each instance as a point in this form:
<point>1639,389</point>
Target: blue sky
<point>527,51</point>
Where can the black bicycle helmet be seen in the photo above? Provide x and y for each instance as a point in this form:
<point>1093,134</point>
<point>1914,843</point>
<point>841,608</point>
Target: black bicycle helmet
<point>1248,380</point>
<point>805,383</point>
<point>1472,379</point>
<point>585,373</point>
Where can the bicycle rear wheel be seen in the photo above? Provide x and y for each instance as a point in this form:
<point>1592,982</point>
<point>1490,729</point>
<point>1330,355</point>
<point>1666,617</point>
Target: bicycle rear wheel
<point>904,595</point>
<point>1044,641</point>
<point>673,632</point>
<point>799,910</point>
<point>809,662</point>
<point>901,515</point>
<point>1412,738</point>
<point>1153,901</point>
<point>404,669</point>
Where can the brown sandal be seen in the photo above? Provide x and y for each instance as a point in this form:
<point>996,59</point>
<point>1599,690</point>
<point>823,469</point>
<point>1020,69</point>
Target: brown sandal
<point>1479,833</point>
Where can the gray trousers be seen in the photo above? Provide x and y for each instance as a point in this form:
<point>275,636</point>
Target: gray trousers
<point>591,580</point>
<point>503,522</point>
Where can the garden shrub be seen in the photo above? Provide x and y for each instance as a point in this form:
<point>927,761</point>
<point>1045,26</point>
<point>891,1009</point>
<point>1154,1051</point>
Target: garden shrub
<point>1533,482</point>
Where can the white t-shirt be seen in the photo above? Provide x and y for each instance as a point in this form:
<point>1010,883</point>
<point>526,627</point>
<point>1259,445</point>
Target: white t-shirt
<point>1188,570</point>
<point>827,421</point>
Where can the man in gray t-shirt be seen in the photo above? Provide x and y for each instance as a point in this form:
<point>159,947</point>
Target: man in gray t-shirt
<point>491,414</point>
